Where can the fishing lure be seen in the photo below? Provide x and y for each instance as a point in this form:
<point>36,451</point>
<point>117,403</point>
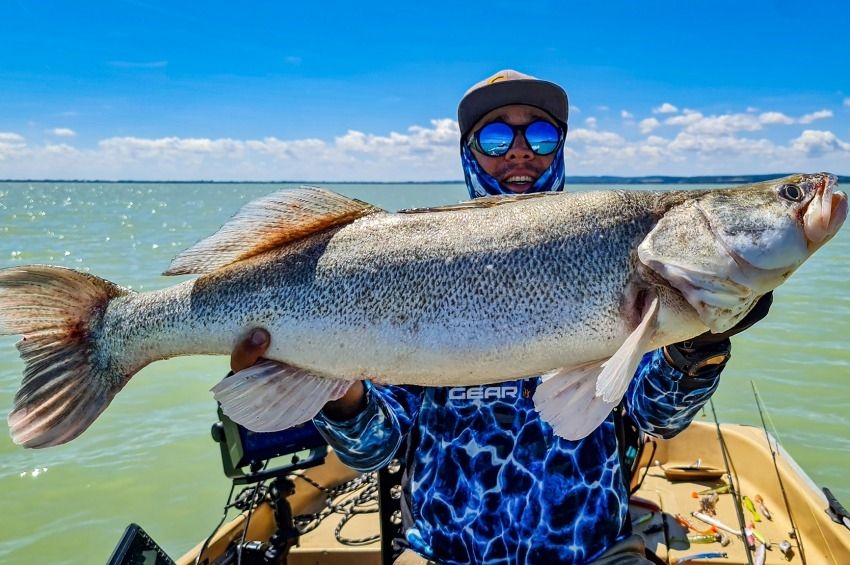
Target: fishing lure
<point>758,535</point>
<point>697,556</point>
<point>703,538</point>
<point>762,508</point>
<point>682,521</point>
<point>720,489</point>
<point>642,519</point>
<point>707,504</point>
<point>751,507</point>
<point>715,522</point>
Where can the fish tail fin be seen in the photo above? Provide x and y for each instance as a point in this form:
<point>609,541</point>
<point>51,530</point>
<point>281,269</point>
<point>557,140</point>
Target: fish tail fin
<point>68,380</point>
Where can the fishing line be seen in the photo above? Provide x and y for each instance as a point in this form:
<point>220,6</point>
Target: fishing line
<point>227,506</point>
<point>254,501</point>
<point>794,529</point>
<point>733,489</point>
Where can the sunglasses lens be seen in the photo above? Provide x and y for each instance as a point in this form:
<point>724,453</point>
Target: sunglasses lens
<point>543,137</point>
<point>495,139</point>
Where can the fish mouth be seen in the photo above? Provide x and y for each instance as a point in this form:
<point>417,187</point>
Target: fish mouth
<point>825,213</point>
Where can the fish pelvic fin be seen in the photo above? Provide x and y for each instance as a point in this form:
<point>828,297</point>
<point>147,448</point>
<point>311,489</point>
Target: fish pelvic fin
<point>67,380</point>
<point>268,223</point>
<point>576,400</point>
<point>272,396</point>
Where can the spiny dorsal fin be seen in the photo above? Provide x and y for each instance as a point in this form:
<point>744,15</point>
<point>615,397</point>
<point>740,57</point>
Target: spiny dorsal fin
<point>267,223</point>
<point>485,202</point>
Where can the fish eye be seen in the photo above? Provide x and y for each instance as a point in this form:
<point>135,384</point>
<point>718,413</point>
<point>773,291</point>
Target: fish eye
<point>791,192</point>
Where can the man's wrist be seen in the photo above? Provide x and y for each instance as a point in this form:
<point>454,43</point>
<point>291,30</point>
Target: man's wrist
<point>695,360</point>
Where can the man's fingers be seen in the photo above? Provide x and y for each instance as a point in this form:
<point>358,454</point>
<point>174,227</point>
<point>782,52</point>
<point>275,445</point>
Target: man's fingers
<point>250,349</point>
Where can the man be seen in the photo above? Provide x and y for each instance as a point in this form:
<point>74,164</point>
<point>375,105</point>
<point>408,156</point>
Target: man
<point>488,481</point>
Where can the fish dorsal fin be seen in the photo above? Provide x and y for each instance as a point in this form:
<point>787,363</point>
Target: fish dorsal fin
<point>484,202</point>
<point>267,223</point>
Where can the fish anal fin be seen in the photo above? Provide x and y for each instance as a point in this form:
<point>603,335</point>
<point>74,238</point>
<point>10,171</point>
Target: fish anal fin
<point>272,396</point>
<point>268,223</point>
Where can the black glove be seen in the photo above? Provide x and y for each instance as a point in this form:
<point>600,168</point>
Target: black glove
<point>710,351</point>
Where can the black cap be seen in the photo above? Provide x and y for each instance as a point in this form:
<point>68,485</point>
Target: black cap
<point>511,87</point>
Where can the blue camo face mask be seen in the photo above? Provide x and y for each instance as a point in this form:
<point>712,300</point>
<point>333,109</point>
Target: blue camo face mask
<point>479,183</point>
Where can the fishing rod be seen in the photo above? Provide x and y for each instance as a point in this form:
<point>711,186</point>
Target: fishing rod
<point>734,489</point>
<point>794,529</point>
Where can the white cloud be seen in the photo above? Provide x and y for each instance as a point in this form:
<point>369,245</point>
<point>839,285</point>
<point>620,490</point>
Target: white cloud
<point>665,108</point>
<point>591,122</point>
<point>819,115</point>
<point>10,137</point>
<point>847,102</point>
<point>734,143</point>
<point>648,124</point>
<point>626,115</point>
<point>594,137</point>
<point>63,132</point>
<point>687,118</point>
<point>775,118</point>
<point>818,142</point>
<point>724,124</point>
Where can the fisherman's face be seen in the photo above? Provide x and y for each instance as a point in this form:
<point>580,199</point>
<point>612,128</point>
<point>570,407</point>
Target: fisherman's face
<point>519,168</point>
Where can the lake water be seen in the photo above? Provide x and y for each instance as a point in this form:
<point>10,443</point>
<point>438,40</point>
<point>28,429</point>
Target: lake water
<point>150,459</point>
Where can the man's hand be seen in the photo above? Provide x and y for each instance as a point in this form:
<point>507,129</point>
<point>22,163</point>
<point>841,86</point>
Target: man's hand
<point>710,351</point>
<point>250,350</point>
<point>758,312</point>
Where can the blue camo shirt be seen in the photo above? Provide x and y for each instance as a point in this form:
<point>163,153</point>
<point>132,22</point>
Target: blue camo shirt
<point>488,481</point>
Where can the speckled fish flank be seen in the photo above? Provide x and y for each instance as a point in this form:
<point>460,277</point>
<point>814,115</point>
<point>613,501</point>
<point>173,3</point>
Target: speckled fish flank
<point>576,286</point>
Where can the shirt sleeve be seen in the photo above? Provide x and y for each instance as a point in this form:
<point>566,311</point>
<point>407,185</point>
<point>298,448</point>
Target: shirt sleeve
<point>369,440</point>
<point>663,400</point>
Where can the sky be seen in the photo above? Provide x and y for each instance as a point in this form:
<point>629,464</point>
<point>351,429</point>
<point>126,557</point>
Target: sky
<point>368,91</point>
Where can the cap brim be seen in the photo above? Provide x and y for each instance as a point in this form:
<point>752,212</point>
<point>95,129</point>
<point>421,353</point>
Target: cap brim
<point>542,94</point>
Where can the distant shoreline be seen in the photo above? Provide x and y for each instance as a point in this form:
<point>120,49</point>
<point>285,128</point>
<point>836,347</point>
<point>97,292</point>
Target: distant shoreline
<point>654,179</point>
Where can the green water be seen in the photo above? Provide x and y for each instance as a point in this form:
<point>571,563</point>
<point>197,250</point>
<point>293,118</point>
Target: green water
<point>149,458</point>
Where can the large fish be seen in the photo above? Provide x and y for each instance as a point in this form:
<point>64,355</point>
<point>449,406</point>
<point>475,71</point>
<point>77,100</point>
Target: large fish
<point>577,286</point>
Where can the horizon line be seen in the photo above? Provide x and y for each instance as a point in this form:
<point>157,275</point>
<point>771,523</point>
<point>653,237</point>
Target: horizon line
<point>581,179</point>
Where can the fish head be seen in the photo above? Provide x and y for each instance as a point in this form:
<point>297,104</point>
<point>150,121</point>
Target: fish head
<point>776,224</point>
<point>724,249</point>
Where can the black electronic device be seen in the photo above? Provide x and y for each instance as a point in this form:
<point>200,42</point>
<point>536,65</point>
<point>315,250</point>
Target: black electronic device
<point>242,448</point>
<point>136,547</point>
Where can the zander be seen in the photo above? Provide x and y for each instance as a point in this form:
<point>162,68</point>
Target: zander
<point>576,286</point>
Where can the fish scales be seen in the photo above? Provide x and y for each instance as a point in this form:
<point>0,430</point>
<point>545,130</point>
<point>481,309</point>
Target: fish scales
<point>572,286</point>
<point>431,299</point>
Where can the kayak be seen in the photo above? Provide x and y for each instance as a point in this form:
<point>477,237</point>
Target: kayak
<point>764,499</point>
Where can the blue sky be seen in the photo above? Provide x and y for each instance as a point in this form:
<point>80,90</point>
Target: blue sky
<point>368,91</point>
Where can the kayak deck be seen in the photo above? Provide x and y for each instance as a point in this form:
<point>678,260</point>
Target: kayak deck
<point>823,541</point>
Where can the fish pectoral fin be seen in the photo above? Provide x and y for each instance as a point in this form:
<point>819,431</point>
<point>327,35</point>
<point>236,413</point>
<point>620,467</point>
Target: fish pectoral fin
<point>567,400</point>
<point>272,396</point>
<point>618,371</point>
<point>576,400</point>
<point>268,223</point>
